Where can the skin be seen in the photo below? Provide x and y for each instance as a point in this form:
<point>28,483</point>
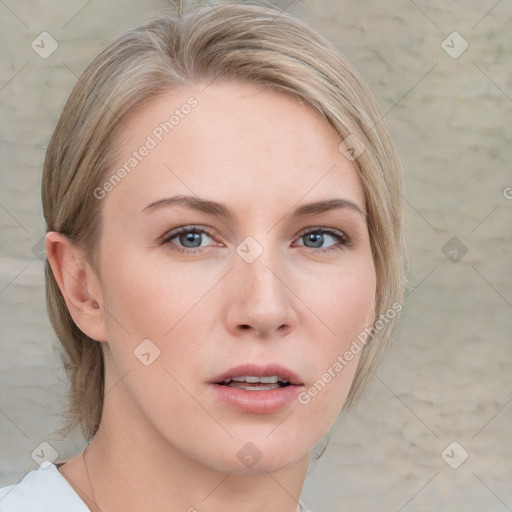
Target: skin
<point>165,442</point>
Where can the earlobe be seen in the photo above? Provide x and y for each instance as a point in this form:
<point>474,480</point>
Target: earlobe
<point>78,284</point>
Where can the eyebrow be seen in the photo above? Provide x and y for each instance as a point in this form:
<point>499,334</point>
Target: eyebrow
<point>221,210</point>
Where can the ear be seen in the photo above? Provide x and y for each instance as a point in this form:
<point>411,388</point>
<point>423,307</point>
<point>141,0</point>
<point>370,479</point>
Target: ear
<point>78,284</point>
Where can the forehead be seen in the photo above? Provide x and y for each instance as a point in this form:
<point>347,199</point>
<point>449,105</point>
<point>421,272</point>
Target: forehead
<point>231,141</point>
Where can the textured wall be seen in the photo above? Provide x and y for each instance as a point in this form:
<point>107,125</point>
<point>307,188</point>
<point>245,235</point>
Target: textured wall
<point>445,379</point>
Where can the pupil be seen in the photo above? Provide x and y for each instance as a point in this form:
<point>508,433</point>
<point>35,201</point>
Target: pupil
<point>317,239</point>
<point>190,237</point>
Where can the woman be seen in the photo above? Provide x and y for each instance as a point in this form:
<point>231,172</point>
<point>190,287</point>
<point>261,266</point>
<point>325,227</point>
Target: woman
<point>224,262</point>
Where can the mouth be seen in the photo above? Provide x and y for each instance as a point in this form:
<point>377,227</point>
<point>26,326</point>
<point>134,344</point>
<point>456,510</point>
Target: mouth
<point>255,377</point>
<point>261,389</point>
<point>255,383</point>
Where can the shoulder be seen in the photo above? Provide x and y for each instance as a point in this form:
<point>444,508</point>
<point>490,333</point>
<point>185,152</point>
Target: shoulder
<point>41,490</point>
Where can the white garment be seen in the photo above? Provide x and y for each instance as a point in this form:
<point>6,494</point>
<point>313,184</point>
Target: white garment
<point>46,490</point>
<point>41,490</point>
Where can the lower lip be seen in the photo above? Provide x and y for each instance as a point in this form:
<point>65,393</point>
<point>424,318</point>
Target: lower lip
<point>258,402</point>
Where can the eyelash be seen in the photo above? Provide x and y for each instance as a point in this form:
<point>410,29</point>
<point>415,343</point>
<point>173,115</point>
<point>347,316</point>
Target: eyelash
<point>343,240</point>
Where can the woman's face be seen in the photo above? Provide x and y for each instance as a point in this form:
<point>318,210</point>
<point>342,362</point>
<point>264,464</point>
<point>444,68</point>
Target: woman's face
<point>252,279</point>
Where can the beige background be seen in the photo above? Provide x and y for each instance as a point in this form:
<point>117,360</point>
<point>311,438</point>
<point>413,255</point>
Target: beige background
<point>448,376</point>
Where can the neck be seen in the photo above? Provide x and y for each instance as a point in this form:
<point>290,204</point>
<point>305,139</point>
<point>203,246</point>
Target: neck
<point>132,469</point>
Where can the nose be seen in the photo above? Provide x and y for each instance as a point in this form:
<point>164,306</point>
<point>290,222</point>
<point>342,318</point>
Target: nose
<point>261,299</point>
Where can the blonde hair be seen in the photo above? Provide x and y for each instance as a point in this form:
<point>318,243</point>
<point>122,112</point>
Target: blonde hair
<point>245,41</point>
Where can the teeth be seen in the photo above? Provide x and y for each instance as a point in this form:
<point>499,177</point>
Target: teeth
<point>251,387</point>
<point>251,379</point>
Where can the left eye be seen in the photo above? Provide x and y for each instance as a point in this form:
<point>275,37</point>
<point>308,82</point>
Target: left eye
<point>317,238</point>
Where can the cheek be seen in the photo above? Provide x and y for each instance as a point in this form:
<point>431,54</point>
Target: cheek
<point>159,317</point>
<point>343,302</point>
<point>323,397</point>
<point>335,367</point>
<point>150,299</point>
<point>345,309</point>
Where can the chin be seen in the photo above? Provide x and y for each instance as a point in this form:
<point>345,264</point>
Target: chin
<point>270,465</point>
<point>259,456</point>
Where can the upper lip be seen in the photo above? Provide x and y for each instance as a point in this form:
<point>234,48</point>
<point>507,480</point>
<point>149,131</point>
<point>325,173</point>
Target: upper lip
<point>256,370</point>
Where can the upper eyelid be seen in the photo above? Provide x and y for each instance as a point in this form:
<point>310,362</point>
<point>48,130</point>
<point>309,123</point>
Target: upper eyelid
<point>320,228</point>
<point>169,235</point>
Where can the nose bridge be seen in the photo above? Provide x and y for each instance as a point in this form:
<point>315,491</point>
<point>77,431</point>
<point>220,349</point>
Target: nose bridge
<point>259,266</point>
<point>261,298</point>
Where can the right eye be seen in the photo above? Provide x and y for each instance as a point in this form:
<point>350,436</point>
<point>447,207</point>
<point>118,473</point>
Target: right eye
<point>190,238</point>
